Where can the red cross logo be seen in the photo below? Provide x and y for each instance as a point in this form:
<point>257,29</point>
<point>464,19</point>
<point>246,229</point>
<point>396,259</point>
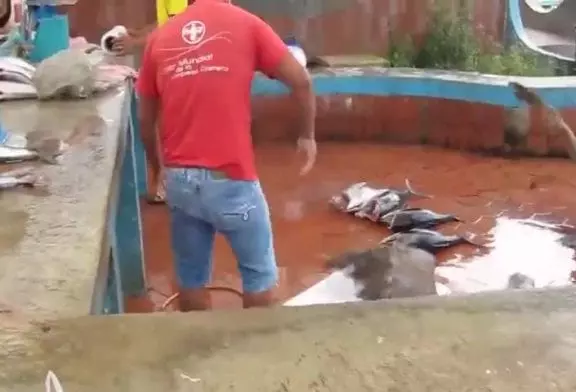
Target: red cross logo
<point>193,32</point>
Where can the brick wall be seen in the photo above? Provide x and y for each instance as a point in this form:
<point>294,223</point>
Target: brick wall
<point>325,26</point>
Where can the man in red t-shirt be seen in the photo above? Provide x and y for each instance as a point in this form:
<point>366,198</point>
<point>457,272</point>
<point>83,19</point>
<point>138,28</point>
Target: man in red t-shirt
<point>195,79</point>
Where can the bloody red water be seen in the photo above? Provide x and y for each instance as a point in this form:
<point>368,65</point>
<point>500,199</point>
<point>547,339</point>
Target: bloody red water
<point>489,194</point>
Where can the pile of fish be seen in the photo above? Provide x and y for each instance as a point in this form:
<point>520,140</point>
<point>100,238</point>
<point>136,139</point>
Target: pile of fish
<point>22,177</point>
<point>389,206</point>
<point>16,79</point>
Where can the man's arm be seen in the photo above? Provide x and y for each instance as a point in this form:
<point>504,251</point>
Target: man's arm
<point>141,35</point>
<point>275,60</point>
<point>133,41</point>
<point>148,108</point>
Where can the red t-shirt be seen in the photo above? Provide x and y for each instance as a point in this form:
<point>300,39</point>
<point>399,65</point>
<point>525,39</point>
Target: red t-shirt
<point>200,65</point>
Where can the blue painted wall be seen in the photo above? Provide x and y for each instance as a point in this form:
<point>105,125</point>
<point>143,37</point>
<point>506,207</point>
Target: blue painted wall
<point>398,83</point>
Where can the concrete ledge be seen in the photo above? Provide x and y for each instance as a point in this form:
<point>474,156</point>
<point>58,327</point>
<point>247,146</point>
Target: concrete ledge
<point>462,86</point>
<point>516,341</point>
<point>50,265</point>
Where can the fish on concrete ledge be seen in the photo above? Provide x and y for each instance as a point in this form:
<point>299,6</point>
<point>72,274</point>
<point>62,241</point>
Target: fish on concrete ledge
<point>23,177</point>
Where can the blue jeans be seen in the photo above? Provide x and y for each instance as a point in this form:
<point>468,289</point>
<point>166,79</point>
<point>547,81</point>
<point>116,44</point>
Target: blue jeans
<point>203,202</point>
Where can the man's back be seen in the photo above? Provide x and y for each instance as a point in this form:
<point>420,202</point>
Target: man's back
<point>200,64</point>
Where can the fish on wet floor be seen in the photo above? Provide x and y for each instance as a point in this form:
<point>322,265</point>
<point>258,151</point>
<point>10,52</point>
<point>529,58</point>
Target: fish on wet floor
<point>520,281</point>
<point>355,197</point>
<point>392,271</point>
<point>371,203</point>
<point>427,240</point>
<point>26,177</point>
<point>391,200</point>
<point>412,218</point>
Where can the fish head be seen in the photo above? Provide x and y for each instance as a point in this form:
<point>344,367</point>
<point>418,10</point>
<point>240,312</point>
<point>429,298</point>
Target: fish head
<point>353,195</point>
<point>340,202</point>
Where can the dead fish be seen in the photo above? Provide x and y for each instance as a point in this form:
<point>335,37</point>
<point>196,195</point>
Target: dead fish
<point>20,177</point>
<point>428,240</point>
<point>16,69</point>
<point>393,271</point>
<point>8,154</point>
<point>355,197</point>
<point>520,281</point>
<point>390,200</point>
<point>411,218</point>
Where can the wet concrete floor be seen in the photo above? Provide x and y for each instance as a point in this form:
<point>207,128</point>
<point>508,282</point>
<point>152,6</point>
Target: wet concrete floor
<point>494,197</point>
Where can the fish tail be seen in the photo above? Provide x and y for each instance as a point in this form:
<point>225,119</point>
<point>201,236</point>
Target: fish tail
<point>467,239</point>
<point>412,192</point>
<point>389,239</point>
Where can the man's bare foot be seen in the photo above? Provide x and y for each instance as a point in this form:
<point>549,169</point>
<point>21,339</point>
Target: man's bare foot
<point>194,299</point>
<point>259,300</point>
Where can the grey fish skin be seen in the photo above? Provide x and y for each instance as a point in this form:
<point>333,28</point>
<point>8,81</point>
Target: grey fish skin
<point>412,218</point>
<point>394,271</point>
<point>7,182</point>
<point>387,201</point>
<point>19,177</point>
<point>428,240</point>
<point>8,154</point>
<point>518,281</point>
<point>355,197</point>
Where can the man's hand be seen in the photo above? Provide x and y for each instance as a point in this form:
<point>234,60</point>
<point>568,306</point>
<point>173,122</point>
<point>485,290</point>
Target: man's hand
<point>127,44</point>
<point>308,147</point>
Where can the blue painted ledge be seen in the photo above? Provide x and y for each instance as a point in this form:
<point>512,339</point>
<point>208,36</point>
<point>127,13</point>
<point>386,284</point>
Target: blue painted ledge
<point>559,92</point>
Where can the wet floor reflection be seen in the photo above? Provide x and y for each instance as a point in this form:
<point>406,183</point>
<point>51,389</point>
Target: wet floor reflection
<point>517,247</point>
<point>492,196</point>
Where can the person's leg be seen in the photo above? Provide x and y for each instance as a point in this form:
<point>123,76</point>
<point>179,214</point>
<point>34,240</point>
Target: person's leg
<point>192,243</point>
<point>240,212</point>
<point>192,238</point>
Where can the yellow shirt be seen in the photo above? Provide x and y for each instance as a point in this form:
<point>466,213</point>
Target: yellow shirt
<point>167,8</point>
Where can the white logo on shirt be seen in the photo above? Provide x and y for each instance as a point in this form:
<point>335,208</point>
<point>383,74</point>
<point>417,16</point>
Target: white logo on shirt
<point>193,32</point>
<point>189,59</point>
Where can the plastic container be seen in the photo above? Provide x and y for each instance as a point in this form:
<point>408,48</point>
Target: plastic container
<point>51,36</point>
